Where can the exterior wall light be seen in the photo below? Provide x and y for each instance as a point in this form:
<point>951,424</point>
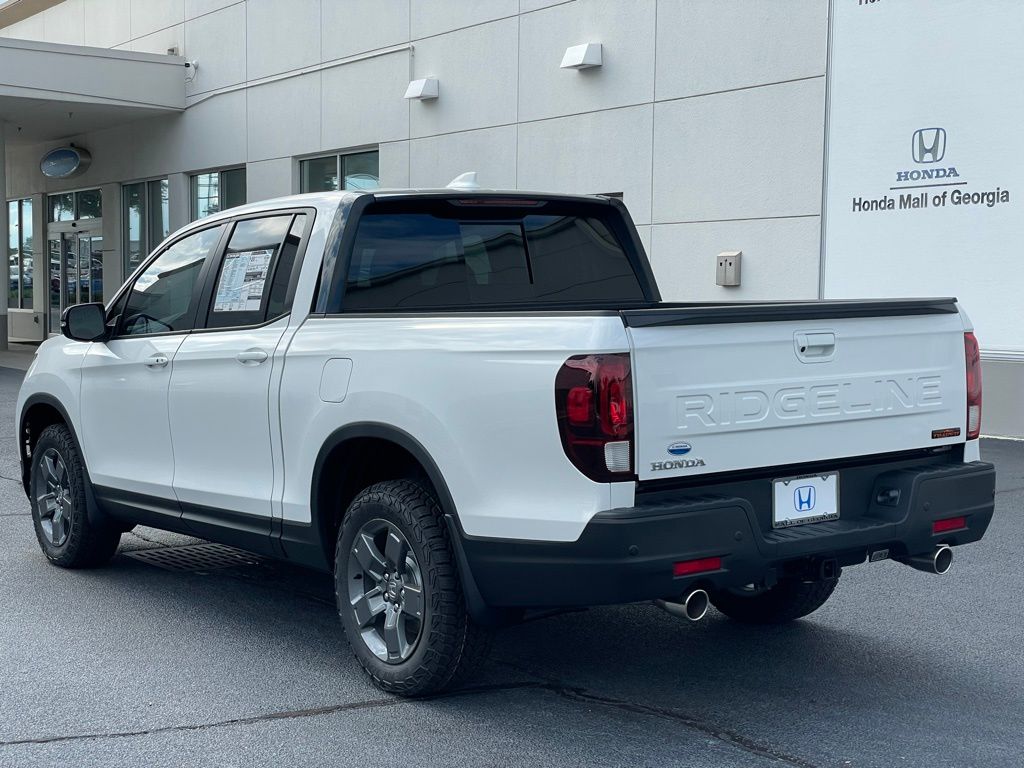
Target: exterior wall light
<point>422,90</point>
<point>583,56</point>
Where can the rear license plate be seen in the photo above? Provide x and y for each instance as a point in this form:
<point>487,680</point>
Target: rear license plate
<point>810,499</point>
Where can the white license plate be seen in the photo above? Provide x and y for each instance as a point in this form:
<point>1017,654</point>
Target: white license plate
<point>810,499</point>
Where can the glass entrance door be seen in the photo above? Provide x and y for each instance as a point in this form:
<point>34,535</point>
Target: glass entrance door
<point>76,271</point>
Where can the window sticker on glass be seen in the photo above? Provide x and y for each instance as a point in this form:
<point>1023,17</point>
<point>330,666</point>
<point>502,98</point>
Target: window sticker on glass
<point>242,278</point>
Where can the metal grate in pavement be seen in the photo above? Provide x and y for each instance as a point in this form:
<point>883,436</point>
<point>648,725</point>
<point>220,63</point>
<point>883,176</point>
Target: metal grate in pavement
<point>194,557</point>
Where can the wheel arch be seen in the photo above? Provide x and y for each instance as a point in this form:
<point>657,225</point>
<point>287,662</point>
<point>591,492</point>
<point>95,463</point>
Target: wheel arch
<point>399,455</point>
<point>38,412</point>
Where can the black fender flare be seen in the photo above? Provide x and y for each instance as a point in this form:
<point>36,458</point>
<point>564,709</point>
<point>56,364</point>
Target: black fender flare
<point>96,515</point>
<point>475,603</point>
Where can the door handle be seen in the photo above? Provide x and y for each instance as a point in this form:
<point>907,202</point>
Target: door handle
<point>157,361</point>
<point>251,357</point>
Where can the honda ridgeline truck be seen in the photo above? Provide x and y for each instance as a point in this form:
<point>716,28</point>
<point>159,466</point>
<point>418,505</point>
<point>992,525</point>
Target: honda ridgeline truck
<point>468,404</point>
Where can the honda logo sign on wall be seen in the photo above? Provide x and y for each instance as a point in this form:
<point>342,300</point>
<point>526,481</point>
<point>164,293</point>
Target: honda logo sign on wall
<point>929,145</point>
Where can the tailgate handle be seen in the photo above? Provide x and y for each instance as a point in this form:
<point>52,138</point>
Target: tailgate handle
<point>815,346</point>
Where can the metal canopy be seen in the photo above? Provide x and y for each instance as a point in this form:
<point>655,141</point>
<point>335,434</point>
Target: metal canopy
<point>50,91</point>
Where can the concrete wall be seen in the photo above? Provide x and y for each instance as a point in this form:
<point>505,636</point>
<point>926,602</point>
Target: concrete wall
<point>707,115</point>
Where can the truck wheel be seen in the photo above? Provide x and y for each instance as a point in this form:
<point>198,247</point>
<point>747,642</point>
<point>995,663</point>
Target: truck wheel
<point>399,595</point>
<point>788,600</point>
<point>57,483</point>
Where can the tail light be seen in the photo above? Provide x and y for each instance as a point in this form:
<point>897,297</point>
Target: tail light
<point>973,359</point>
<point>594,407</point>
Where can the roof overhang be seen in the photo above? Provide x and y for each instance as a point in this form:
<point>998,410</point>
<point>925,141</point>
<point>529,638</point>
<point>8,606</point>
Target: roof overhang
<point>50,91</point>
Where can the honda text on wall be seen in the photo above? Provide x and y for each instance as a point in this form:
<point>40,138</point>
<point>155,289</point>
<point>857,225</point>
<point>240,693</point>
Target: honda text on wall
<point>468,404</point>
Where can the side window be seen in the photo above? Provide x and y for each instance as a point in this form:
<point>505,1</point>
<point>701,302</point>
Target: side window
<point>252,269</point>
<point>279,303</point>
<point>161,299</point>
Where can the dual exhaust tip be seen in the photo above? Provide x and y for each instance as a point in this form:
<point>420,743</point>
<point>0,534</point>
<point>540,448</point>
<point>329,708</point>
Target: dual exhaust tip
<point>939,561</point>
<point>694,605</point>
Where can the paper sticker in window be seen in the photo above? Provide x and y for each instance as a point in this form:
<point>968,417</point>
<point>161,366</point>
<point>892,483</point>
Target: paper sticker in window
<point>242,278</point>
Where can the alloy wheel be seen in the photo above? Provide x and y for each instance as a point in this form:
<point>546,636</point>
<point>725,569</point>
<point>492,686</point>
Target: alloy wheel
<point>53,498</point>
<point>385,589</point>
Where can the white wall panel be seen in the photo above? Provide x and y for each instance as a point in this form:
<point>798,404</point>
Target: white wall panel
<point>194,8</point>
<point>65,23</point>
<point>742,154</point>
<point>626,33</point>
<point>780,259</point>
<point>281,36</point>
<point>394,164</point>
<point>597,152</point>
<point>107,23</point>
<point>210,134</point>
<point>490,152</point>
<point>271,131</point>
<point>217,42</point>
<point>363,104</point>
<point>162,41</point>
<point>477,72</point>
<point>148,16</point>
<point>431,17</point>
<point>716,45</point>
<point>350,28</point>
<point>269,178</point>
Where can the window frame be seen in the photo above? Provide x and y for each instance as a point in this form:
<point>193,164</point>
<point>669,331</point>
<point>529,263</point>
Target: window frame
<point>339,159</point>
<point>147,243</point>
<point>75,211</point>
<point>145,264</point>
<point>193,200</point>
<point>19,223</point>
<point>201,320</point>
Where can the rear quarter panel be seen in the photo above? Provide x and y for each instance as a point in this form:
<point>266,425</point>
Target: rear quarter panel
<point>476,391</point>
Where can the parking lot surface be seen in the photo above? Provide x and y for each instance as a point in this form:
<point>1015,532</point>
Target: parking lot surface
<point>183,663</point>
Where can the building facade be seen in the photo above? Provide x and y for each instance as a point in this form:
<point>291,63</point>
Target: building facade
<point>708,117</point>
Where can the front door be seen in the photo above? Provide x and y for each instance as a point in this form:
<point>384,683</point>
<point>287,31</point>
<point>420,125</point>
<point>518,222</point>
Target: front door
<point>125,380</point>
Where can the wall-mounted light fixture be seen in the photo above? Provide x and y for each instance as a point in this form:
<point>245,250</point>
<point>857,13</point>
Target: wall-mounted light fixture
<point>422,90</point>
<point>583,56</point>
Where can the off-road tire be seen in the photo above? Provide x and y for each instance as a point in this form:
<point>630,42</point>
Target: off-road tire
<point>788,600</point>
<point>450,645</point>
<point>88,544</point>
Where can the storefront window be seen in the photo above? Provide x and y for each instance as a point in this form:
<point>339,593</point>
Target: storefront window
<point>217,191</point>
<point>146,220</point>
<point>69,206</point>
<point>62,207</point>
<point>356,171</point>
<point>20,247</point>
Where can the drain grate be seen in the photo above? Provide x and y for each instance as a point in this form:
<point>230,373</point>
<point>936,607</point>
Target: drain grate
<point>195,557</point>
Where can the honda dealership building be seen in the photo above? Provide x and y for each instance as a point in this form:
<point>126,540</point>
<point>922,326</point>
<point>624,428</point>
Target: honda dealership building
<point>852,148</point>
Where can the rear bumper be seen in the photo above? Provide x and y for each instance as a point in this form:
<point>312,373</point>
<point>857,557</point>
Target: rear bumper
<point>625,555</point>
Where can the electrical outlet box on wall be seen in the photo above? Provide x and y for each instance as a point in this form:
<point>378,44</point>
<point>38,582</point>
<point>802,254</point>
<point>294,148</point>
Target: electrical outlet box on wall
<point>728,268</point>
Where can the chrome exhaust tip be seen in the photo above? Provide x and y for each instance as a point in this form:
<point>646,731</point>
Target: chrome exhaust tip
<point>939,561</point>
<point>694,605</point>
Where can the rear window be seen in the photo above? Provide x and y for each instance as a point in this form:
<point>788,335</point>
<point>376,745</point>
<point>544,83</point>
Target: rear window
<point>436,253</point>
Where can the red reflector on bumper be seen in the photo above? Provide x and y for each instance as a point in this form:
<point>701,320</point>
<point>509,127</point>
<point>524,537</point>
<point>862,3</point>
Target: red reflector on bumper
<point>949,524</point>
<point>690,567</point>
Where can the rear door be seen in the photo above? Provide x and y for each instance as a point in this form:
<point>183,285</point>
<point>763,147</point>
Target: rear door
<point>219,400</point>
<point>728,388</point>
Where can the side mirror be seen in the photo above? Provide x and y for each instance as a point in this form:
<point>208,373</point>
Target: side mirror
<point>84,322</point>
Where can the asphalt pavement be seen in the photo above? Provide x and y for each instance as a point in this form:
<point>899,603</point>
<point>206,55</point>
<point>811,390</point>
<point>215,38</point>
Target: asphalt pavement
<point>139,665</point>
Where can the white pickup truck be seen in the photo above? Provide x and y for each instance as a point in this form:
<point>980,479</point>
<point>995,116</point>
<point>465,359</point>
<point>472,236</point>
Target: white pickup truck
<point>471,404</point>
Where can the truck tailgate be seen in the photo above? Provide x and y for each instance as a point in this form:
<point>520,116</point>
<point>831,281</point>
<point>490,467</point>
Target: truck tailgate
<point>732,387</point>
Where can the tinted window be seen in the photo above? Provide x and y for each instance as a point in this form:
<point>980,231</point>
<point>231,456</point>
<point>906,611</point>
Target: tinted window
<point>285,266</point>
<point>247,271</point>
<point>160,300</point>
<point>431,254</point>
